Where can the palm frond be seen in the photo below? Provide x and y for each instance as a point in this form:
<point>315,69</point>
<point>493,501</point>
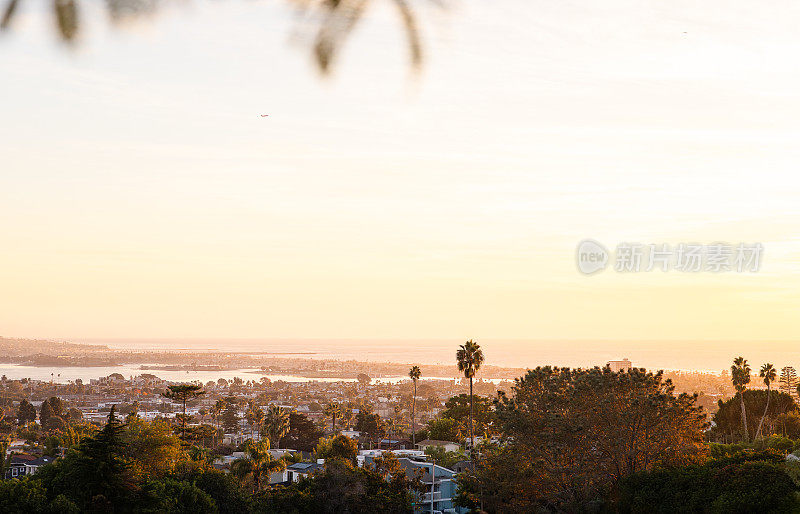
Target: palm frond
<point>66,12</point>
<point>8,14</point>
<point>412,33</point>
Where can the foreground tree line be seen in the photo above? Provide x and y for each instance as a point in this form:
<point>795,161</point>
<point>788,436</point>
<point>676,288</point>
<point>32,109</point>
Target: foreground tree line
<point>575,440</point>
<point>561,440</point>
<point>141,466</point>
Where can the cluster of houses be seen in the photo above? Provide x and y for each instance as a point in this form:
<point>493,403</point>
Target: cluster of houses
<point>438,480</point>
<point>95,399</point>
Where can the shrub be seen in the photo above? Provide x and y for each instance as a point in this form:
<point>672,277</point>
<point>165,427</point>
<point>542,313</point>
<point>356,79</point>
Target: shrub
<point>746,482</point>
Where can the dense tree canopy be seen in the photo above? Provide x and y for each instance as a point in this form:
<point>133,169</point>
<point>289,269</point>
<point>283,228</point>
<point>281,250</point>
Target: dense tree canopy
<point>445,429</point>
<point>341,487</point>
<point>26,412</point>
<point>230,416</point>
<point>303,434</point>
<point>746,482</point>
<point>457,408</point>
<point>141,466</point>
<point>728,418</point>
<point>371,425</point>
<point>572,435</point>
<point>337,448</point>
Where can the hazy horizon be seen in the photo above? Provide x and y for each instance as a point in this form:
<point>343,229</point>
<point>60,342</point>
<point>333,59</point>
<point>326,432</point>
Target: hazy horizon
<point>712,356</point>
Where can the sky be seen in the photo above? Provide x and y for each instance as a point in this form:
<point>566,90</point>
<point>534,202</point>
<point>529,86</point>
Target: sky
<point>142,195</point>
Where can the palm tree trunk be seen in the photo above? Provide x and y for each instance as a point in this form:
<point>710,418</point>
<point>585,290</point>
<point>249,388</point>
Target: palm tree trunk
<point>413,416</point>
<point>471,436</point>
<point>744,418</point>
<point>758,433</point>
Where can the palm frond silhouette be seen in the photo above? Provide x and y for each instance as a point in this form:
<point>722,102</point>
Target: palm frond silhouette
<point>335,22</point>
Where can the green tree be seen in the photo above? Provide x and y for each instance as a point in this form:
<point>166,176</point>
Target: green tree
<point>174,497</point>
<point>58,406</point>
<point>100,467</point>
<point>788,380</point>
<point>216,411</point>
<point>223,488</point>
<point>383,487</point>
<point>52,406</point>
<point>150,448</point>
<point>781,415</point>
<point>414,374</point>
<point>29,496</point>
<point>276,424</point>
<point>569,436</point>
<point>751,482</point>
<point>183,393</point>
<point>230,416</point>
<point>470,357</point>
<point>768,374</point>
<point>54,423</point>
<point>332,410</point>
<point>483,416</point>
<point>255,417</point>
<point>303,433</point>
<point>337,447</point>
<point>443,457</point>
<point>257,464</point>
<point>74,415</point>
<point>26,412</point>
<point>45,412</point>
<point>740,377</point>
<point>370,425</point>
<point>444,429</point>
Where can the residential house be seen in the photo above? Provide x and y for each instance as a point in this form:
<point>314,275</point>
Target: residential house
<point>440,487</point>
<point>395,444</point>
<point>302,469</point>
<point>16,446</point>
<point>24,464</point>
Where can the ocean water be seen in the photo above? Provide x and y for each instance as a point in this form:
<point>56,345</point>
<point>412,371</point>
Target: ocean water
<point>63,375</point>
<point>701,355</point>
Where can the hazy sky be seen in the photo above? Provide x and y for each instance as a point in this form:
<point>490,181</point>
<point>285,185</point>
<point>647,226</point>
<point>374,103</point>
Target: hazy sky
<point>142,195</point>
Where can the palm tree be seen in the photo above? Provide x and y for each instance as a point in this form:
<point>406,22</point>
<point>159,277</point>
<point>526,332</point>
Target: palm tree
<point>332,410</point>
<point>470,357</point>
<point>258,462</point>
<point>414,374</point>
<point>276,423</point>
<point>217,409</point>
<point>347,415</point>
<point>768,373</point>
<point>740,377</point>
<point>200,454</point>
<point>255,417</point>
